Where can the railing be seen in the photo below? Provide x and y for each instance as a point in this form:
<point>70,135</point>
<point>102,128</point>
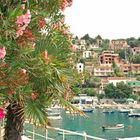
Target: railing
<point>1,129</point>
<point>46,137</point>
<point>63,132</point>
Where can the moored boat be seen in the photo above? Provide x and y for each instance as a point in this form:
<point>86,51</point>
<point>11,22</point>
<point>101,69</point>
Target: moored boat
<point>70,133</point>
<point>134,115</point>
<point>113,127</point>
<point>109,112</point>
<point>87,110</point>
<point>132,138</point>
<point>54,116</point>
<point>124,111</point>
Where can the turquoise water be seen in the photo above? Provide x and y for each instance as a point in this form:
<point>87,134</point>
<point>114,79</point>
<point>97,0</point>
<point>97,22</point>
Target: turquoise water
<point>93,122</point>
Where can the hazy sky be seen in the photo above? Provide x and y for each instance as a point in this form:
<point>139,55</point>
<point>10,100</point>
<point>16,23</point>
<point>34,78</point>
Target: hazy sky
<point>109,18</point>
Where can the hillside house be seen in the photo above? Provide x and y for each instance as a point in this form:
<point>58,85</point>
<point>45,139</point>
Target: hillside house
<point>135,50</point>
<point>80,67</point>
<point>118,44</point>
<point>102,71</point>
<point>135,85</point>
<point>132,68</point>
<point>108,57</point>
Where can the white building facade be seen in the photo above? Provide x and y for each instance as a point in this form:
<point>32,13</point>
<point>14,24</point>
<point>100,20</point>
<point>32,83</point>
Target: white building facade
<point>80,67</point>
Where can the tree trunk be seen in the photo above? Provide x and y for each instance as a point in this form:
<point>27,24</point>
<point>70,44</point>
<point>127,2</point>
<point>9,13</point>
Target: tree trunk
<point>14,122</point>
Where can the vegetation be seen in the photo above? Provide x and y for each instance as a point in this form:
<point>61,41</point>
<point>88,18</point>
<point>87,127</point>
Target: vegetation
<point>35,66</point>
<point>133,42</point>
<point>105,44</point>
<point>117,70</point>
<point>119,91</point>
<point>136,59</point>
<point>88,39</point>
<point>138,78</point>
<point>87,91</point>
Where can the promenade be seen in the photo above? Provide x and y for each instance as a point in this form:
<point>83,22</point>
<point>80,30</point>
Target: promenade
<point>116,106</point>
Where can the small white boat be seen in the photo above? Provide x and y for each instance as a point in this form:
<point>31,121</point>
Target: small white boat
<point>72,112</point>
<point>88,110</point>
<point>108,111</point>
<point>134,115</point>
<point>113,127</point>
<point>124,110</point>
<point>85,109</point>
<point>68,133</point>
<point>54,116</point>
<point>132,138</point>
<point>25,138</point>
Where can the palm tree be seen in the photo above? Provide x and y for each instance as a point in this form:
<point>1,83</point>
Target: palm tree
<point>34,61</point>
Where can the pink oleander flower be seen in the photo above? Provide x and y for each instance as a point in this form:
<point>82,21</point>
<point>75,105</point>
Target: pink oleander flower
<point>63,5</point>
<point>19,32</point>
<point>22,6</point>
<point>28,14</point>
<point>24,0</point>
<point>23,71</point>
<point>46,56</point>
<point>2,114</point>
<point>22,23</point>
<point>2,52</point>
<point>24,19</point>
<point>73,47</point>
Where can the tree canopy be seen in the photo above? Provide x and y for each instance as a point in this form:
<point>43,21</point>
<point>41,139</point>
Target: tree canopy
<point>119,91</point>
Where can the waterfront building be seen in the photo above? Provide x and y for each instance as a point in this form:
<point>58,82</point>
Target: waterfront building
<point>83,99</point>
<point>135,85</point>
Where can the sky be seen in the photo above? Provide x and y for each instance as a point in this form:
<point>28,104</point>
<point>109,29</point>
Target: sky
<point>112,19</point>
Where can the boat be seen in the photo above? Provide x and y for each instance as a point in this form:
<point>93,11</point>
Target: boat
<point>109,112</point>
<point>72,112</point>
<point>85,109</point>
<point>70,133</point>
<point>132,138</point>
<point>54,116</point>
<point>25,138</point>
<point>88,110</point>
<point>124,110</point>
<point>113,127</point>
<point>135,115</point>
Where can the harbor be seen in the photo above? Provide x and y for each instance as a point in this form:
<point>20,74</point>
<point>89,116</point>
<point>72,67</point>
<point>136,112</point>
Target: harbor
<point>92,124</point>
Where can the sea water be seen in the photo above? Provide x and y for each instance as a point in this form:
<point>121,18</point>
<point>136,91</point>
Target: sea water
<point>92,124</point>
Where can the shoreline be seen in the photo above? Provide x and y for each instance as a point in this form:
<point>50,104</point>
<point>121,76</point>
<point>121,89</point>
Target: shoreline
<point>117,106</point>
